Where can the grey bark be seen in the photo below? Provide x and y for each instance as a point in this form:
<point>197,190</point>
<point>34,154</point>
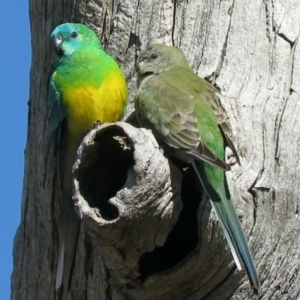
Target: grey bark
<point>250,51</point>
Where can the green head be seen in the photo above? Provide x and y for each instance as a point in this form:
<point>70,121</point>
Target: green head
<point>69,37</point>
<point>158,58</point>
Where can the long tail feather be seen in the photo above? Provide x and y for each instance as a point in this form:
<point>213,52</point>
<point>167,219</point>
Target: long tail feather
<point>69,233</point>
<point>220,200</point>
<point>60,262</point>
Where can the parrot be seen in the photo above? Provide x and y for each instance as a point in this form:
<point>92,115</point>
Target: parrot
<point>86,85</point>
<point>186,117</point>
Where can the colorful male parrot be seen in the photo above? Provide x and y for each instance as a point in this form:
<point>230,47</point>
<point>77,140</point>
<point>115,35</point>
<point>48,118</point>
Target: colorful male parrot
<point>184,114</point>
<point>86,86</point>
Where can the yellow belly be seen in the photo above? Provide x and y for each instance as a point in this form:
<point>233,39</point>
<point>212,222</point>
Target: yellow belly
<point>87,104</point>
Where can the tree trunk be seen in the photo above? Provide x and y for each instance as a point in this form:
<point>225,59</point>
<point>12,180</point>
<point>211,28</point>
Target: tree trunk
<point>153,235</point>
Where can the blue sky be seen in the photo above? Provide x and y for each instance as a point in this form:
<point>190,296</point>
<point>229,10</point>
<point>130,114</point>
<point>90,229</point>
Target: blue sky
<point>15,59</point>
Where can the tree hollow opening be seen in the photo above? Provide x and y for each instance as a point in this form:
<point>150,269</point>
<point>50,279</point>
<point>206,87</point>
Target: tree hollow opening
<point>103,170</point>
<point>182,239</point>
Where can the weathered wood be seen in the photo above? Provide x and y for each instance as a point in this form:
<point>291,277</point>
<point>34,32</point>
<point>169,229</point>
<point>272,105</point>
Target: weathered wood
<point>128,196</point>
<point>250,51</point>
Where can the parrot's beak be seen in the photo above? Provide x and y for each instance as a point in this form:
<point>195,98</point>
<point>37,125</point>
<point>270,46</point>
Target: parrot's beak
<point>57,43</point>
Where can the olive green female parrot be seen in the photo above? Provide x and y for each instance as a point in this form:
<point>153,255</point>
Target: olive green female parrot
<point>184,114</point>
<point>86,86</point>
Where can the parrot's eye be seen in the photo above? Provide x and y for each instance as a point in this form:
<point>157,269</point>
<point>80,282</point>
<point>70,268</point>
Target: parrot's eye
<point>74,34</point>
<point>153,56</point>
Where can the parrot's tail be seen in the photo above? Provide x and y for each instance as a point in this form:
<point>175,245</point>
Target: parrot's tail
<point>69,233</point>
<point>220,200</point>
<point>60,262</point>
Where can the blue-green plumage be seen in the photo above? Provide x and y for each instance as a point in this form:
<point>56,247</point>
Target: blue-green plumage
<point>86,86</point>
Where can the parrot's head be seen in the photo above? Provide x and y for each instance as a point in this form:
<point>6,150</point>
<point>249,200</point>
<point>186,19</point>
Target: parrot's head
<point>158,58</point>
<point>70,37</point>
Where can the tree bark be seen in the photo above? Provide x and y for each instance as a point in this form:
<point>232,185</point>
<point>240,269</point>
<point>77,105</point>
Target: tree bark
<point>147,232</point>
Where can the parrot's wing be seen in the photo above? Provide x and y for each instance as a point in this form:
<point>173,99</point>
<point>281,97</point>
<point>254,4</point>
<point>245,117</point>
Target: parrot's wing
<point>55,108</point>
<point>70,223</point>
<point>170,112</point>
<point>209,93</point>
<point>56,121</point>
